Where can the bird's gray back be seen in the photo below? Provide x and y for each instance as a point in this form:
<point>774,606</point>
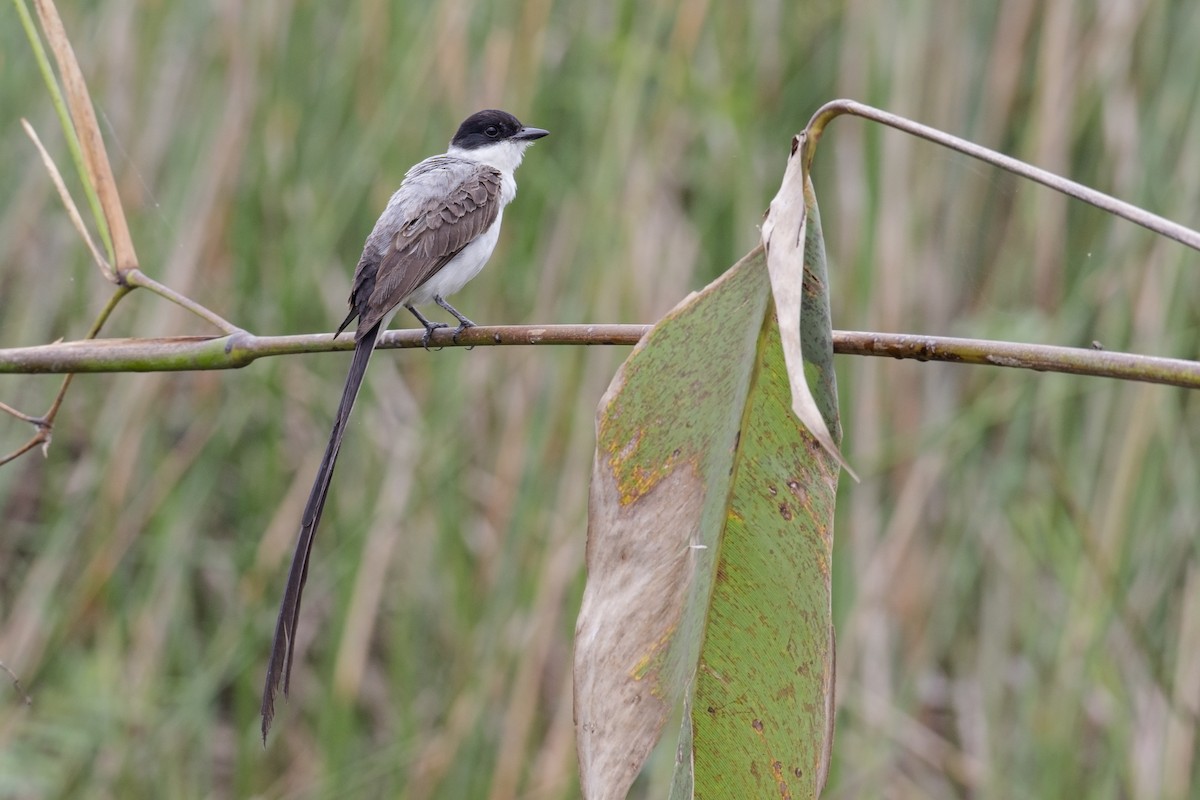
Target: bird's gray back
<point>424,183</point>
<point>443,204</point>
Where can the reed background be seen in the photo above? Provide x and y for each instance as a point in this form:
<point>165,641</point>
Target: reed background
<point>1017,577</point>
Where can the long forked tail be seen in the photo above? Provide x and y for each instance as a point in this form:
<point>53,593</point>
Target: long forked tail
<point>279,670</point>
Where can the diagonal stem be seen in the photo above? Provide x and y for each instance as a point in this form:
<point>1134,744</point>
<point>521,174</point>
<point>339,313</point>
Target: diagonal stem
<point>45,423</point>
<point>135,278</point>
<point>1153,222</point>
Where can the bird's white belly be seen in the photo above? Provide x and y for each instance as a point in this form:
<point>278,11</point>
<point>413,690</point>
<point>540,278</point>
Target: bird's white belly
<point>461,269</point>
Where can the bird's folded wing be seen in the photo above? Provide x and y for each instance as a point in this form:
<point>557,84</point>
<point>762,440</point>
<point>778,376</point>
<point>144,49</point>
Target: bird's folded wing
<point>429,236</point>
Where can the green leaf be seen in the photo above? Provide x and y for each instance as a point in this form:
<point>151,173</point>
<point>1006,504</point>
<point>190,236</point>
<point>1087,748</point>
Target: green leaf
<point>709,551</point>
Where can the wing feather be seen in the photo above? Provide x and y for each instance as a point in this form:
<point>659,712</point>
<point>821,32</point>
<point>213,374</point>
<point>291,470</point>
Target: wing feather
<point>412,241</point>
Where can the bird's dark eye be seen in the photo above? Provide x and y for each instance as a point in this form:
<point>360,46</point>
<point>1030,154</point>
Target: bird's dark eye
<point>492,131</point>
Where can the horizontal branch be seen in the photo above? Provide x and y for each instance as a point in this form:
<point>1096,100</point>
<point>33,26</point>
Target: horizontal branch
<point>241,348</point>
<point>1038,357</point>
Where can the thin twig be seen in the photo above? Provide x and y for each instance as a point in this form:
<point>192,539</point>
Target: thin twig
<point>131,277</point>
<point>1153,222</point>
<point>57,404</point>
<point>42,430</point>
<point>44,424</point>
<point>42,437</point>
<point>7,409</point>
<point>139,279</point>
<point>110,274</point>
<point>107,311</point>
<point>17,684</point>
<point>240,349</point>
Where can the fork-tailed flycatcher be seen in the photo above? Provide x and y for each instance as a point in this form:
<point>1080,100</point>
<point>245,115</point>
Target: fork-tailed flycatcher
<point>437,232</point>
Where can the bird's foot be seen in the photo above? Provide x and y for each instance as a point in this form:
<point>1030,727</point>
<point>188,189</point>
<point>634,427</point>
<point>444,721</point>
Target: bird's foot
<point>463,322</point>
<point>462,326</point>
<point>430,327</point>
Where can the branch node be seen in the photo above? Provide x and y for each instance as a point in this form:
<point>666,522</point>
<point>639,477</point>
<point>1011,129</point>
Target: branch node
<point>242,342</point>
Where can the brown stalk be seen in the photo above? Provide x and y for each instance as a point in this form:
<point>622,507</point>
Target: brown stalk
<point>183,353</point>
<point>79,102</point>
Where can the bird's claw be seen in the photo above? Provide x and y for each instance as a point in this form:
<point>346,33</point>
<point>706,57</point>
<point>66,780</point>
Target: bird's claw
<point>462,326</point>
<point>429,329</point>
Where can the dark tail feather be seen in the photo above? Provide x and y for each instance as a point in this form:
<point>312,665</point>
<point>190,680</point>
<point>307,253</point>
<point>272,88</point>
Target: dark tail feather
<point>279,670</point>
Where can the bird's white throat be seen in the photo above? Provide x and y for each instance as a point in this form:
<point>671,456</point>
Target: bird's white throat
<point>505,156</point>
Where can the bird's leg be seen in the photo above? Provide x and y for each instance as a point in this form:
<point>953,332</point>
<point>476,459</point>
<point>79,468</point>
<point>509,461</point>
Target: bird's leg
<point>463,322</point>
<point>430,327</point>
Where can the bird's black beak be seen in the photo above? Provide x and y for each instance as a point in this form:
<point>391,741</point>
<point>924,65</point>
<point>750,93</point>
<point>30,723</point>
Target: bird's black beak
<point>529,134</point>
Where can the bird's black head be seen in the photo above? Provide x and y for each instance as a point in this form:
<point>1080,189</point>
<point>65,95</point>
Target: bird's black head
<point>490,127</point>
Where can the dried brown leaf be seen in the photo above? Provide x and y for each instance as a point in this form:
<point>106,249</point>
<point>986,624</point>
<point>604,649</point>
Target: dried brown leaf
<point>783,237</point>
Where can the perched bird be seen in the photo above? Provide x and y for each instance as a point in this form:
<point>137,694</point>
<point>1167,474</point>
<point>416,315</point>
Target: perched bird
<point>437,232</point>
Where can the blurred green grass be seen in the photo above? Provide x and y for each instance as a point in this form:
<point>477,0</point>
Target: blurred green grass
<point>1017,585</point>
